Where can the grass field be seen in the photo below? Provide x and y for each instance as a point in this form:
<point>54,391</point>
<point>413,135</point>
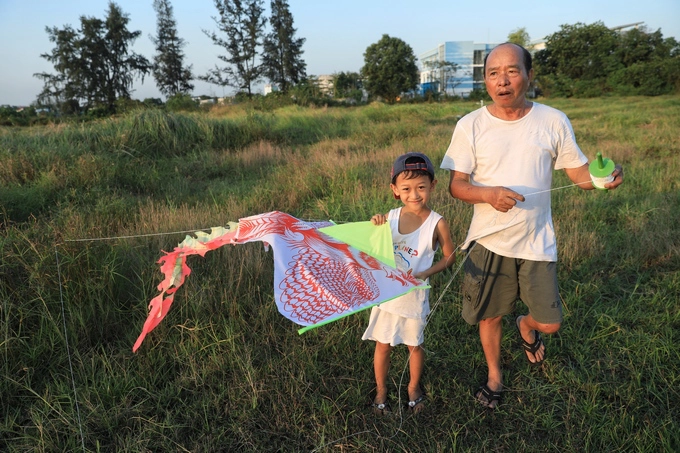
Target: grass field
<point>85,212</point>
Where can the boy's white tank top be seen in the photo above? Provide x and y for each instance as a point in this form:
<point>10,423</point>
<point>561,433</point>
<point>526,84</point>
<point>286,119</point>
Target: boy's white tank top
<point>413,252</point>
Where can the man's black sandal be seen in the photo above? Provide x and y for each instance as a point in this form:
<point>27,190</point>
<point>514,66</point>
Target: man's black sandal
<point>531,347</point>
<point>489,396</point>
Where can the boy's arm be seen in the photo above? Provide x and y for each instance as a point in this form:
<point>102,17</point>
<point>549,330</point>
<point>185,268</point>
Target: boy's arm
<point>442,234</point>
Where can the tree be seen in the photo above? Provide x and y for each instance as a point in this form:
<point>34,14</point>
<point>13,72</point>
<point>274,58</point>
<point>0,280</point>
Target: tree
<point>243,24</point>
<point>308,92</point>
<point>651,78</point>
<point>348,85</point>
<point>639,46</point>
<point>346,82</point>
<point>589,60</point>
<point>119,65</point>
<point>581,52</point>
<point>282,52</point>
<point>168,64</point>
<point>389,68</point>
<point>63,86</point>
<point>519,36</point>
<point>94,64</point>
<point>443,73</point>
<point>651,64</point>
<point>577,60</point>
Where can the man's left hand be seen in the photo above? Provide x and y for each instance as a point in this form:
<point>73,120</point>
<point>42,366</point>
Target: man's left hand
<point>618,178</point>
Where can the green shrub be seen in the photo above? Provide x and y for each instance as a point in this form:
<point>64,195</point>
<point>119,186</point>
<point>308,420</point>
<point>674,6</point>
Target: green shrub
<point>124,105</point>
<point>181,102</point>
<point>153,102</point>
<point>479,94</point>
<point>647,78</point>
<point>590,88</point>
<point>10,116</point>
<point>274,100</point>
<point>158,133</point>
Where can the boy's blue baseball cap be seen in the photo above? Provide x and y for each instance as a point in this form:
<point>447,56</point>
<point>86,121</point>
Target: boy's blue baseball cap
<point>400,164</point>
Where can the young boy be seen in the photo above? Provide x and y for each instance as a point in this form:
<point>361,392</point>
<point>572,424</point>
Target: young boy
<point>417,232</point>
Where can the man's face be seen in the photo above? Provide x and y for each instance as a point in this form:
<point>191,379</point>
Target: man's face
<point>506,78</point>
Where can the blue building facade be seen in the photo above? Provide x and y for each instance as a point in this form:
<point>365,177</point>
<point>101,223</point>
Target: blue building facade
<point>468,57</point>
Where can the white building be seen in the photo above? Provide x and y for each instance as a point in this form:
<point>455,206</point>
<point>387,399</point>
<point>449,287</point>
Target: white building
<point>270,88</point>
<point>469,58</point>
<point>535,45</point>
<point>325,82</point>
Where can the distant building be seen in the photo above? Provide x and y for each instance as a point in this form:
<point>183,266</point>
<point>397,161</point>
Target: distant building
<point>627,27</point>
<point>325,84</point>
<point>535,45</point>
<point>469,58</point>
<point>270,88</point>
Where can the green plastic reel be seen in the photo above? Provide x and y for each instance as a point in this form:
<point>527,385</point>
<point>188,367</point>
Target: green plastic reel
<point>601,170</point>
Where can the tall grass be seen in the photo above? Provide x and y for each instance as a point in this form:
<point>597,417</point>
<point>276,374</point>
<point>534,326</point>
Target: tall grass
<point>225,372</point>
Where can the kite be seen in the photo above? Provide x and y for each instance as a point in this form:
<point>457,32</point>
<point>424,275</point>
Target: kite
<point>322,271</point>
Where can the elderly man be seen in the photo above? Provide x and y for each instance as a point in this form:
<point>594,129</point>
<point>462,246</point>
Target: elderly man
<point>501,159</point>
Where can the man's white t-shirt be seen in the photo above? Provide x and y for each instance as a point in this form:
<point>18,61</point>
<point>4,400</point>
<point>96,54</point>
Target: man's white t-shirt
<point>520,155</point>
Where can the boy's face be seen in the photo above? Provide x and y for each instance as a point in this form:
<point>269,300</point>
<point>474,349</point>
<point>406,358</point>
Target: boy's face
<point>413,192</point>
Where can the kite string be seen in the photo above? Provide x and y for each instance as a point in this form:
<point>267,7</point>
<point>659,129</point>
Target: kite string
<point>132,236</point>
<point>111,238</point>
<point>68,350</point>
<point>193,231</point>
<point>556,188</point>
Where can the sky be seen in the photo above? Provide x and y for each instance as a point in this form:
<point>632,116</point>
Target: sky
<point>337,32</point>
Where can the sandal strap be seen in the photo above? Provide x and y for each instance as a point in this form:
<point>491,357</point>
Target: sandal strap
<point>417,401</point>
<point>489,394</point>
<point>535,346</point>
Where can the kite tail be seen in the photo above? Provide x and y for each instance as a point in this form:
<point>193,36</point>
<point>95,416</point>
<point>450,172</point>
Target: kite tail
<point>158,309</point>
<point>175,270</point>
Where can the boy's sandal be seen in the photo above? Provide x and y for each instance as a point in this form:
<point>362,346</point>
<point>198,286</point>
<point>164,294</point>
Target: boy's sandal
<point>489,396</point>
<point>381,408</point>
<point>416,406</point>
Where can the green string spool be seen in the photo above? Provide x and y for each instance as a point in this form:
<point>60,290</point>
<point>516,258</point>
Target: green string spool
<point>601,170</point>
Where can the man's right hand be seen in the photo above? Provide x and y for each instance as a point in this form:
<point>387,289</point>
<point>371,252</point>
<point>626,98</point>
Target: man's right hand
<point>502,199</point>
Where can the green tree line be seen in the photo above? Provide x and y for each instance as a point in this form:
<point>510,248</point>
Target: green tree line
<point>591,60</point>
<point>95,66</point>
